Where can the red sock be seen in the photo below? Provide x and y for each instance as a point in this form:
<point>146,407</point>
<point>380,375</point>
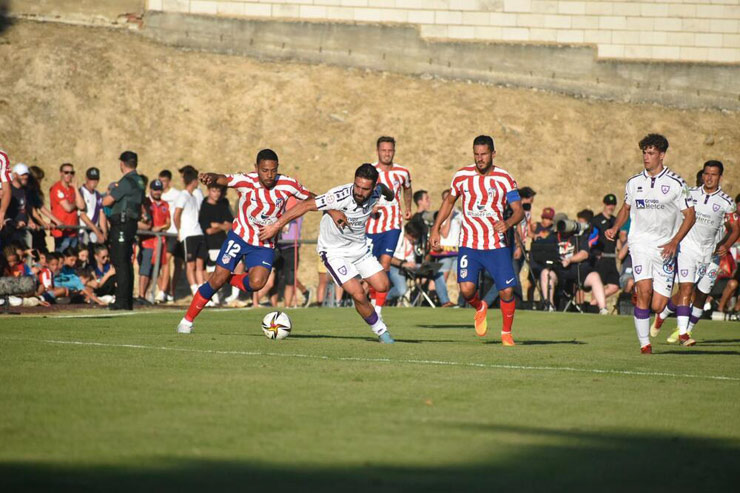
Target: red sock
<point>475,301</point>
<point>372,294</point>
<point>380,298</point>
<point>195,306</point>
<point>237,280</point>
<point>507,312</point>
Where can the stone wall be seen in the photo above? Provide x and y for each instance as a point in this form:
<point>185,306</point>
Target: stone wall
<point>665,30</point>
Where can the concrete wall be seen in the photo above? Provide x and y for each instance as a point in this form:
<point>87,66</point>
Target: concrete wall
<point>666,30</point>
<point>399,48</point>
<point>84,11</point>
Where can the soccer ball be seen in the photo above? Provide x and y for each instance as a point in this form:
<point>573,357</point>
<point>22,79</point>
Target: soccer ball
<point>276,325</point>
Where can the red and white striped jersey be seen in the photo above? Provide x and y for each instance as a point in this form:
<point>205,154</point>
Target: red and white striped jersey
<point>46,278</point>
<point>484,199</point>
<point>259,206</point>
<point>4,168</point>
<point>390,216</point>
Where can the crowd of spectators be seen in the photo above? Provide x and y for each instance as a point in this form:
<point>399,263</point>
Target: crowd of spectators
<point>562,263</point>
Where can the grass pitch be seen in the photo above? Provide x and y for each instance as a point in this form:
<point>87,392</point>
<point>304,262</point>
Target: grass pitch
<point>124,403</point>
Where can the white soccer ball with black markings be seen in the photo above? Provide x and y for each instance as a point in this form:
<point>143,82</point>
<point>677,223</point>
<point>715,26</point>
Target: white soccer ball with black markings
<point>276,325</point>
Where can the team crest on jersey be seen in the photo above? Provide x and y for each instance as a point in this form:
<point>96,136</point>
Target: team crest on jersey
<point>665,189</point>
<point>712,274</point>
<point>684,272</point>
<point>225,259</point>
<point>463,273</point>
<point>279,203</point>
<point>669,267</point>
<point>638,269</point>
<point>343,270</point>
<point>702,270</point>
<point>715,207</point>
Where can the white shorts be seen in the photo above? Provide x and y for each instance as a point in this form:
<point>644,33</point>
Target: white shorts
<point>706,281</point>
<point>691,266</point>
<point>648,263</point>
<point>343,269</point>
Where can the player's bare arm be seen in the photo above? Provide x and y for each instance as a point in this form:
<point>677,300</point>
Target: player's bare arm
<point>408,194</point>
<point>444,212</point>
<point>624,213</point>
<point>516,218</point>
<point>213,178</point>
<point>671,248</point>
<point>733,232</point>
<point>269,231</point>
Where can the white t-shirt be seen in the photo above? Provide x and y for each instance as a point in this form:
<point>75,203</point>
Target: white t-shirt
<point>170,196</point>
<point>404,249</point>
<point>712,211</point>
<point>453,237</point>
<point>352,240</point>
<point>655,207</point>
<point>189,225</point>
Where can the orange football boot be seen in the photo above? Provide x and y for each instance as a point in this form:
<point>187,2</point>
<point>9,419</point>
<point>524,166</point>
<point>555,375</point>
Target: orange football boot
<point>481,324</point>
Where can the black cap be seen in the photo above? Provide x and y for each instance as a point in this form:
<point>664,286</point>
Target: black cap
<point>610,199</point>
<point>527,192</point>
<point>93,174</point>
<point>156,185</point>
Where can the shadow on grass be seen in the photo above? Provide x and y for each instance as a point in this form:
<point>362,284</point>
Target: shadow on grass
<point>536,342</point>
<point>525,459</point>
<point>697,352</point>
<point>445,326</point>
<point>719,341</point>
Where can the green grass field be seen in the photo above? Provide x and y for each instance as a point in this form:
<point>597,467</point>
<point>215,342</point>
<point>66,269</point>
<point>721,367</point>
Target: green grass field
<point>124,403</point>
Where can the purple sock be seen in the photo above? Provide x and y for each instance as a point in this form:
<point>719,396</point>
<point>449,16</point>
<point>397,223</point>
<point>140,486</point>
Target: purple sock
<point>693,319</point>
<point>642,313</point>
<point>683,311</point>
<point>372,319</point>
<point>672,306</point>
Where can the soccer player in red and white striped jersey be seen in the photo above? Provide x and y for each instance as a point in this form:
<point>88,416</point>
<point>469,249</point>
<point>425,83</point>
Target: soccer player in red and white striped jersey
<point>486,190</point>
<point>5,186</point>
<point>384,227</point>
<point>263,195</point>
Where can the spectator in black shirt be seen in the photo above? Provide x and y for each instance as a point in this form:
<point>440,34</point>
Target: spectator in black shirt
<point>17,228</point>
<point>604,251</point>
<point>215,220</point>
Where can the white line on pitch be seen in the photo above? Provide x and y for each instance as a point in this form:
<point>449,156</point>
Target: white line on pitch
<point>407,361</point>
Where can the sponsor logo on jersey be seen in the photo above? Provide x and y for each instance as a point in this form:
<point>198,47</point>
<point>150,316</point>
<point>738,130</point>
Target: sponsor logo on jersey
<point>649,204</point>
<point>263,220</point>
<point>702,270</point>
<point>665,189</point>
<point>640,203</point>
<point>638,269</point>
<point>330,199</point>
<point>669,267</point>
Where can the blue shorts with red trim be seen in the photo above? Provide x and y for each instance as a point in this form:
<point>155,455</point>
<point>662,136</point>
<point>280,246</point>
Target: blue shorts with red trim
<point>235,249</point>
<point>497,262</point>
<point>385,243</point>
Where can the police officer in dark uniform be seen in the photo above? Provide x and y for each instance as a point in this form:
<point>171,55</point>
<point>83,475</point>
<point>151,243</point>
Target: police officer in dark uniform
<point>604,250</point>
<point>125,199</point>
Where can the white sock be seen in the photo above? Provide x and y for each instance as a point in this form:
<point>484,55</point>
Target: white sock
<point>183,321</point>
<point>193,288</point>
<point>667,312</point>
<point>642,326</point>
<point>378,309</point>
<point>234,292</point>
<point>379,326</point>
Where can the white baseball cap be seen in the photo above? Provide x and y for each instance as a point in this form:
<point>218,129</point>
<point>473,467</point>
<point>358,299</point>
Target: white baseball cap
<point>20,169</point>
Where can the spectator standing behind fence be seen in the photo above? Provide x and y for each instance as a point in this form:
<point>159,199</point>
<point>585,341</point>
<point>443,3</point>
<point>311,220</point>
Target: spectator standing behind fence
<point>63,198</point>
<point>90,204</point>
<point>215,220</point>
<point>289,250</point>
<point>190,233</point>
<point>174,247</point>
<point>125,199</point>
<point>159,213</point>
<point>37,208</point>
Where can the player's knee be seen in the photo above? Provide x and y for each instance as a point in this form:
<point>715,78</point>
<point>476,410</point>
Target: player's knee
<point>506,294</point>
<point>383,286</point>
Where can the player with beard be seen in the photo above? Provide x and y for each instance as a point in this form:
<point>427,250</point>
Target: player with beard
<point>486,190</point>
<point>344,247</point>
<point>661,213</point>
<point>701,249</point>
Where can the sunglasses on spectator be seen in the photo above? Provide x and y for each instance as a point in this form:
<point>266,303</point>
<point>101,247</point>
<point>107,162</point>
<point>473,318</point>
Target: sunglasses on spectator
<point>68,172</point>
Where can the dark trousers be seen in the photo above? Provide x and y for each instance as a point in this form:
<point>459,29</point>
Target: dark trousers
<point>122,235</point>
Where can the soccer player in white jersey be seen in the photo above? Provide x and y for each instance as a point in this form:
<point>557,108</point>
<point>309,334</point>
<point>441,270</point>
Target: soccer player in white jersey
<point>658,203</point>
<point>698,257</point>
<point>263,194</point>
<point>485,189</point>
<point>5,186</point>
<point>384,226</point>
<point>346,251</point>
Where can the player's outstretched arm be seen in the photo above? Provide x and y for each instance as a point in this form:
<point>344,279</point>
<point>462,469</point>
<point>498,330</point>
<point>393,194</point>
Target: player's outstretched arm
<point>386,192</point>
<point>444,213</point>
<point>622,215</point>
<point>273,229</point>
<point>213,178</point>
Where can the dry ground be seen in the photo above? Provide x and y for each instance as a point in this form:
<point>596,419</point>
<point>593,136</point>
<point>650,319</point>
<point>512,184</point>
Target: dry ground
<point>85,94</point>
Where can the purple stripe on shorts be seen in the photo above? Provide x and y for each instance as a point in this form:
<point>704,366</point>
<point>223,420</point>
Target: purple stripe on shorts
<point>330,269</point>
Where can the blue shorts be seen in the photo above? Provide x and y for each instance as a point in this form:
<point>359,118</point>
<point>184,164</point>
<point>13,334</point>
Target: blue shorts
<point>497,262</point>
<point>236,249</point>
<point>385,243</point>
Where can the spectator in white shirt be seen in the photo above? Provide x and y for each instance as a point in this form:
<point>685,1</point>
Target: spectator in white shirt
<point>187,209</point>
<point>174,247</point>
<point>90,204</point>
